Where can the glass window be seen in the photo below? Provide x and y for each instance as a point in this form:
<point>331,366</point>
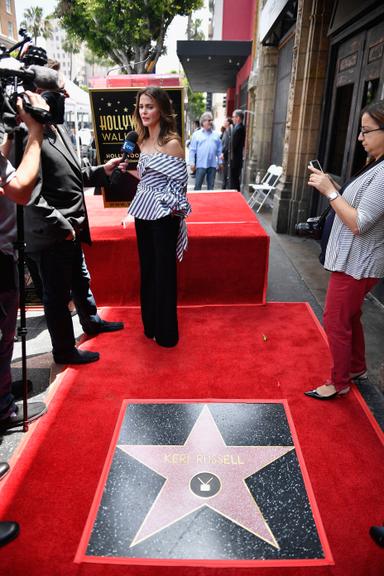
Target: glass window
<point>370,94</point>
<point>340,128</point>
<point>8,6</point>
<point>10,29</point>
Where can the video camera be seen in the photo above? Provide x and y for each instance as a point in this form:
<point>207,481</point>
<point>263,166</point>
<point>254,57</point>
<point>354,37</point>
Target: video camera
<point>313,227</point>
<point>28,71</point>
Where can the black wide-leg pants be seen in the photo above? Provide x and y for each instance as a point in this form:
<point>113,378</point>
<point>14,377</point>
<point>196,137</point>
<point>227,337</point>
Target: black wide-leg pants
<point>156,241</point>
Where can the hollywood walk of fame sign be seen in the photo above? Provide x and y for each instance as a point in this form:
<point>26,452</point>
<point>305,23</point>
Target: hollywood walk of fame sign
<point>209,481</point>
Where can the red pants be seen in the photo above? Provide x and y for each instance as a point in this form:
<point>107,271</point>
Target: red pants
<point>345,297</point>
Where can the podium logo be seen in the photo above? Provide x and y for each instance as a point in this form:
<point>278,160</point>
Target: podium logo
<point>205,485</point>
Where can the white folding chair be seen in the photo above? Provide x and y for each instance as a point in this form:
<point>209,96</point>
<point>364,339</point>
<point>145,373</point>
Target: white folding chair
<point>262,191</point>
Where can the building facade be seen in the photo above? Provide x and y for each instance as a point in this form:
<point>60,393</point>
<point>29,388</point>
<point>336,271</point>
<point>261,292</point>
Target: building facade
<point>317,64</point>
<point>8,25</point>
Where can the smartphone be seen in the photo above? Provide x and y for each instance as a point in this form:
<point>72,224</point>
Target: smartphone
<point>316,164</point>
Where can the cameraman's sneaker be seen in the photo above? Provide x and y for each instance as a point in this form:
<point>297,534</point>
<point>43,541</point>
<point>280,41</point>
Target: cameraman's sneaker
<point>359,375</point>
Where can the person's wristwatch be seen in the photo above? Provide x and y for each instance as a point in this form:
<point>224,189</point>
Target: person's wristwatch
<point>333,196</point>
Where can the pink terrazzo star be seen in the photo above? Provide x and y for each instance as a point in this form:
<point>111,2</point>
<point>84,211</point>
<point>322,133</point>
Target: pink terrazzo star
<point>205,452</point>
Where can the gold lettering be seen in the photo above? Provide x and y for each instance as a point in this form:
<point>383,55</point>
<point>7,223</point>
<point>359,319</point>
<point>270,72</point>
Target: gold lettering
<point>176,458</point>
<point>224,459</point>
<point>116,123</point>
<point>126,122</point>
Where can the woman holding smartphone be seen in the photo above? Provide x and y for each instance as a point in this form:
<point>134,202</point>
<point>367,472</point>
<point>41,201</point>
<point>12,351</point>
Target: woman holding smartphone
<point>355,256</point>
<point>159,207</point>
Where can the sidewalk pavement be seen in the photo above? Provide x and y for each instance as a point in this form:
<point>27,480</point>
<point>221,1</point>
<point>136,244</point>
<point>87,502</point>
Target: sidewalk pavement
<point>295,275</point>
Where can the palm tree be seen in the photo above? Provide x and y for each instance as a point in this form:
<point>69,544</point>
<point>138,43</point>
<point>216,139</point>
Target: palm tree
<point>71,45</point>
<point>36,24</point>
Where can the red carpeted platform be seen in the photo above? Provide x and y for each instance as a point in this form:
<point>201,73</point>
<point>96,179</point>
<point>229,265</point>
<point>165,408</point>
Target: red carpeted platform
<point>227,259</point>
<point>249,352</point>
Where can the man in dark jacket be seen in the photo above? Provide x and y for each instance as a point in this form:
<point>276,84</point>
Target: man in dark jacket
<point>238,140</point>
<point>56,223</point>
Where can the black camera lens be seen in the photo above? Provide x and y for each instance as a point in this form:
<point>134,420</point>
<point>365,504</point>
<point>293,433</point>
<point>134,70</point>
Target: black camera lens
<point>310,229</point>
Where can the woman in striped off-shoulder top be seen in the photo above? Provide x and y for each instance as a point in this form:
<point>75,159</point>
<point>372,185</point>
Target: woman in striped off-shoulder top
<point>355,256</point>
<point>159,207</point>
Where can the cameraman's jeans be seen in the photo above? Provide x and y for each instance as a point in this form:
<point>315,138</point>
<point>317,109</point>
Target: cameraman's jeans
<point>210,173</point>
<point>65,276</point>
<point>345,297</point>
<point>9,302</point>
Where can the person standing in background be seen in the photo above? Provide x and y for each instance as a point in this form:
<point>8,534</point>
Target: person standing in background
<point>205,153</point>
<point>226,145</point>
<point>237,145</point>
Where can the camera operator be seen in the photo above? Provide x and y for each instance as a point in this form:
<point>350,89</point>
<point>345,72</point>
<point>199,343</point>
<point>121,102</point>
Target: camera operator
<point>16,187</point>
<point>354,255</point>
<point>56,223</point>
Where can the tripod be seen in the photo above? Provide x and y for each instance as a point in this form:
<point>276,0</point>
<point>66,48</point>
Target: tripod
<point>20,246</point>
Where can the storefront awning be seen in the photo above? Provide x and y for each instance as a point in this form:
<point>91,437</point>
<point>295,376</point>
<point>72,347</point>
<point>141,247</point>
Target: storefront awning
<point>212,65</point>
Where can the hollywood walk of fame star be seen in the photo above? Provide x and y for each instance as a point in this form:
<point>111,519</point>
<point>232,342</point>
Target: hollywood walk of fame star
<point>188,466</point>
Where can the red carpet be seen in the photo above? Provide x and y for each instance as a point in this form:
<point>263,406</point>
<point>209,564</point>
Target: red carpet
<point>227,258</point>
<point>252,352</point>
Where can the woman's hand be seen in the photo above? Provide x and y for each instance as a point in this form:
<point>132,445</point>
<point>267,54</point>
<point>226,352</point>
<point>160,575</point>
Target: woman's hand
<point>321,181</point>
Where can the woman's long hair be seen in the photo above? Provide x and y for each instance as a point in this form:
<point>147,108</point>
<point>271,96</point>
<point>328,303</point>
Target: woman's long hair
<point>167,116</point>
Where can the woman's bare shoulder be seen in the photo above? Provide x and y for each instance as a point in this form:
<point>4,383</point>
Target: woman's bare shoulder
<point>173,148</point>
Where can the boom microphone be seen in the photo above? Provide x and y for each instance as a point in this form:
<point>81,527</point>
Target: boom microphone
<point>42,77</point>
<point>45,78</point>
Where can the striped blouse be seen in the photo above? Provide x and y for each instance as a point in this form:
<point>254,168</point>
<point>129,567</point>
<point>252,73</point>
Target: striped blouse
<point>162,191</point>
<point>360,255</point>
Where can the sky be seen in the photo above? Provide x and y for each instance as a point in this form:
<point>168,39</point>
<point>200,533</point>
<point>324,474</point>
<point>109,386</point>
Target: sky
<point>176,31</point>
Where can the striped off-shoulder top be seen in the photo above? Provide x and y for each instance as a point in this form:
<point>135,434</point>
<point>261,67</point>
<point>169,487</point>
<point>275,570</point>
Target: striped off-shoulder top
<point>162,191</point>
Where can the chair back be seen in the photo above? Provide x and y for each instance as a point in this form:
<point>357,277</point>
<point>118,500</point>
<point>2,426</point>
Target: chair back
<point>273,175</point>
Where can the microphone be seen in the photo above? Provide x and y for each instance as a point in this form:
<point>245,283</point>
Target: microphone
<point>129,144</point>
<point>41,76</point>
<point>123,185</point>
